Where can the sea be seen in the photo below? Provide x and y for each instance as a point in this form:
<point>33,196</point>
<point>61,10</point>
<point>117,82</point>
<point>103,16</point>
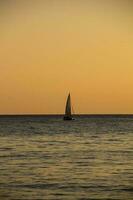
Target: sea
<point>43,157</point>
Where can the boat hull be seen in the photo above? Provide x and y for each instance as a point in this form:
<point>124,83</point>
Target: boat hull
<point>67,118</point>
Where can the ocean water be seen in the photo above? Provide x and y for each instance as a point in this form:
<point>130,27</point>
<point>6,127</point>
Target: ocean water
<point>44,157</point>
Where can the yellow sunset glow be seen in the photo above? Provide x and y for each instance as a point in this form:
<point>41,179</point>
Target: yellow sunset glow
<point>52,47</point>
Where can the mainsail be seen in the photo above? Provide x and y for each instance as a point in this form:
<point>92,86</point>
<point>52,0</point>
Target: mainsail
<point>68,114</point>
<point>68,107</point>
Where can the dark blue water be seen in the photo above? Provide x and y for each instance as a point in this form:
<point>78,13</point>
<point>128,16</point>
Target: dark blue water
<point>44,157</point>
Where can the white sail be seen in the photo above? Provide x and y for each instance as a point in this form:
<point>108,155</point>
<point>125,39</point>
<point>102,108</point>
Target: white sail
<point>68,106</point>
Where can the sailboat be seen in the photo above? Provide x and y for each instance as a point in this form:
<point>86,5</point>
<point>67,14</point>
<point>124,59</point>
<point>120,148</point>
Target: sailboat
<point>68,112</point>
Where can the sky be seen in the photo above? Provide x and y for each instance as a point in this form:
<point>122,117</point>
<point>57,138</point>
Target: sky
<point>52,47</point>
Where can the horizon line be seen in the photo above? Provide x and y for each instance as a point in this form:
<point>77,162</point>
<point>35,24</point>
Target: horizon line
<point>60,114</point>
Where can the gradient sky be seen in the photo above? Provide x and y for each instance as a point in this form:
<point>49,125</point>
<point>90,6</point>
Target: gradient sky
<point>51,47</point>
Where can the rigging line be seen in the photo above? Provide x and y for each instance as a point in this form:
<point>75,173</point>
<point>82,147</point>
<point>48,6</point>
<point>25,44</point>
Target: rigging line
<point>73,110</point>
<point>72,106</point>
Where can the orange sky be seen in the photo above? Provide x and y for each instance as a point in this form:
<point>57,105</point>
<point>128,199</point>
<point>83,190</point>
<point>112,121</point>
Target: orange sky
<point>52,47</point>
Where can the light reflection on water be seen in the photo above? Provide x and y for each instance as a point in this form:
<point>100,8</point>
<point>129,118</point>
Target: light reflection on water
<point>47,158</point>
